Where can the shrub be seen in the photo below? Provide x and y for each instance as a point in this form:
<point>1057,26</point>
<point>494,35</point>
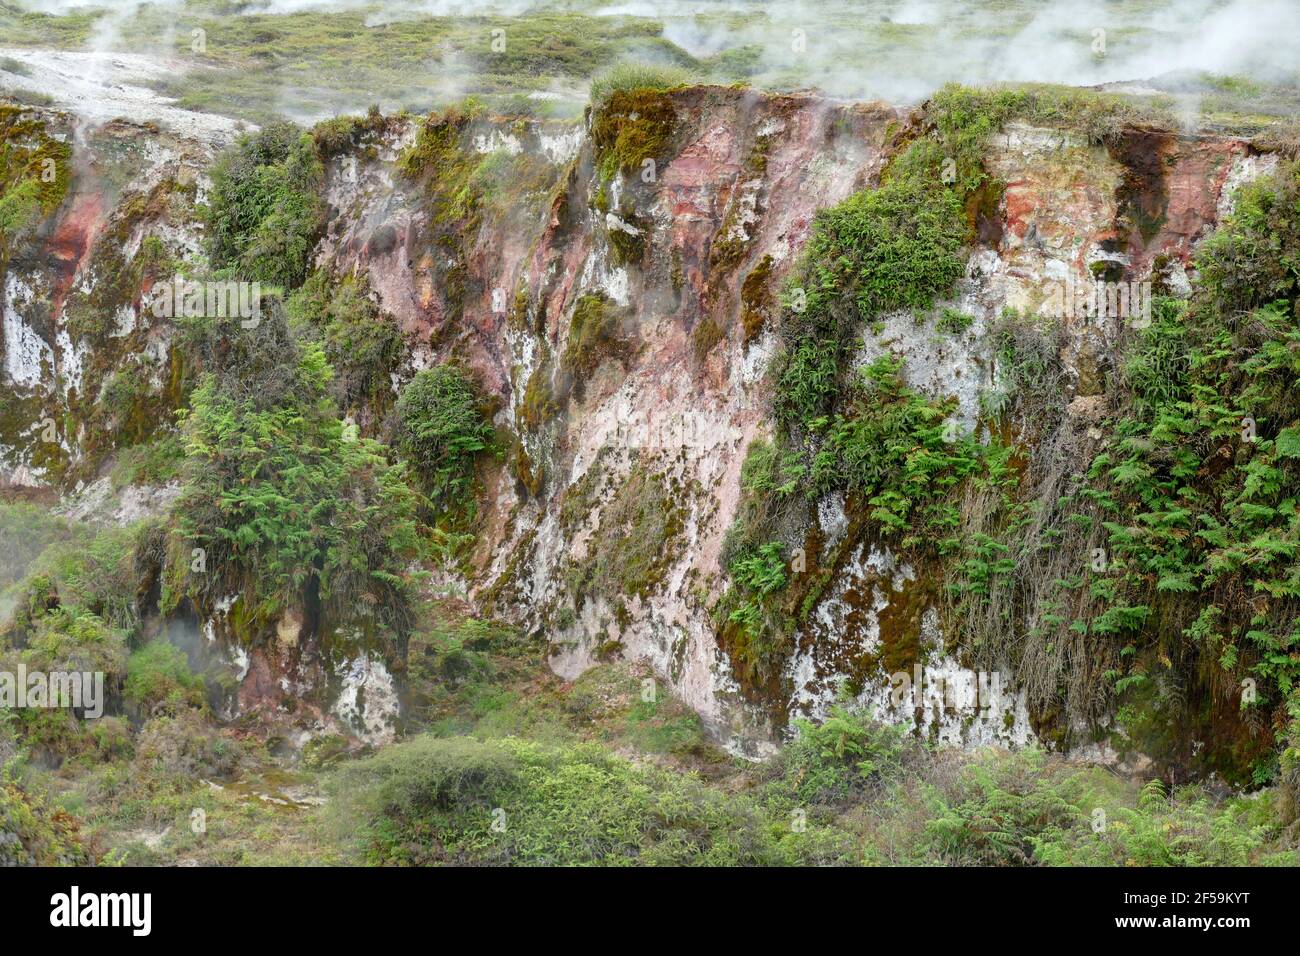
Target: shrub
<point>175,752</point>
<point>434,800</point>
<point>265,213</point>
<point>26,530</point>
<point>32,833</point>
<point>158,677</point>
<point>288,505</point>
<point>362,345</point>
<point>890,248</point>
<point>442,427</point>
<point>839,760</point>
<point>92,571</point>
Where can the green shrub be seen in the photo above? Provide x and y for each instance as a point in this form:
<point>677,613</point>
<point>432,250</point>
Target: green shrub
<point>93,571</point>
<point>65,640</point>
<point>442,427</point>
<point>880,250</point>
<point>174,754</point>
<point>26,530</point>
<point>1018,809</point>
<point>362,345</point>
<point>32,833</point>
<point>265,213</point>
<point>287,504</point>
<point>460,800</point>
<point>841,759</point>
<point>158,677</point>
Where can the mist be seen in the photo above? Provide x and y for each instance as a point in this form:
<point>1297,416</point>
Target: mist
<point>899,51</point>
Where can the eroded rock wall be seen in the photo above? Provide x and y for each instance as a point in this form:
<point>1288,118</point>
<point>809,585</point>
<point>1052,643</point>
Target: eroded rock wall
<point>623,316</point>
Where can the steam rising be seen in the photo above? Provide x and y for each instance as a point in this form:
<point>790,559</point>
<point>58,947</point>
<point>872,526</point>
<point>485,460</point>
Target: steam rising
<point>894,50</point>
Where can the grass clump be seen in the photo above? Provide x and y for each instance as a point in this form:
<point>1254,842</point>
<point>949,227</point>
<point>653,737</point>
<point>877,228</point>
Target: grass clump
<point>626,77</point>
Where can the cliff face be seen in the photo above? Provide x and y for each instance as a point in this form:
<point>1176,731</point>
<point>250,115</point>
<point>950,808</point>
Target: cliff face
<point>616,290</point>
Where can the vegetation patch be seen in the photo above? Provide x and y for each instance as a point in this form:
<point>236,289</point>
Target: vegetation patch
<point>636,541</point>
<point>35,174</point>
<point>595,336</point>
<point>443,425</point>
<point>363,345</point>
<point>288,507</point>
<point>630,126</point>
<point>264,212</point>
<point>758,304</point>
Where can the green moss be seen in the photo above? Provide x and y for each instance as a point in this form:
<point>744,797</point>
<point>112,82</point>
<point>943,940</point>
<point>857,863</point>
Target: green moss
<point>464,189</point>
<point>35,174</point>
<point>530,475</point>
<point>595,336</point>
<point>437,159</point>
<point>630,127</point>
<point>635,543</point>
<point>627,248</point>
<point>538,406</point>
<point>756,299</point>
<point>705,336</point>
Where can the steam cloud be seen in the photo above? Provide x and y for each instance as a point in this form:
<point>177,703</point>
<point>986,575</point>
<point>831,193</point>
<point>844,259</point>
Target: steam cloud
<point>895,50</point>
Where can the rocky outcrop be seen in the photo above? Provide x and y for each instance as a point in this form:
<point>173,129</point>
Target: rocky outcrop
<point>616,291</point>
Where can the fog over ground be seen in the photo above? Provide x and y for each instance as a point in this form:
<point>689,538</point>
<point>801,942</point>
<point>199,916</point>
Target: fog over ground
<point>898,50</point>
